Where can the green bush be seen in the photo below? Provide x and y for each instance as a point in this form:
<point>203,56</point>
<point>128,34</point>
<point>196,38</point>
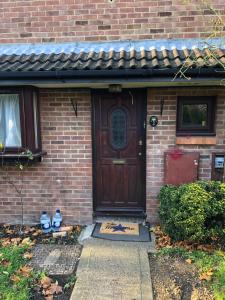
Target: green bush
<point>194,211</point>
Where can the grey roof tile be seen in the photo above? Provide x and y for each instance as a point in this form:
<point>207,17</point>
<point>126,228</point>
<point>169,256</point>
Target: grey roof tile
<point>107,58</point>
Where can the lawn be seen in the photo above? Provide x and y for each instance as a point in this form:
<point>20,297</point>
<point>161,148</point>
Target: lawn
<point>16,277</point>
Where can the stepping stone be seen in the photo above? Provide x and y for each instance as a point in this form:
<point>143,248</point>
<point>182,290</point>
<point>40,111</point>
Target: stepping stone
<point>52,258</point>
<point>56,259</point>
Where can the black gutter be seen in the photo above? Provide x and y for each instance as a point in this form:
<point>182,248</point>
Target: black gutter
<point>113,73</point>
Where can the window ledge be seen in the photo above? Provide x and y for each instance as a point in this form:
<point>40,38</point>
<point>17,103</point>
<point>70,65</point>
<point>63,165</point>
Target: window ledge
<point>14,157</point>
<point>196,140</point>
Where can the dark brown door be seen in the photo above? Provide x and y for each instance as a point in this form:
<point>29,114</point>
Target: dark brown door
<point>119,151</point>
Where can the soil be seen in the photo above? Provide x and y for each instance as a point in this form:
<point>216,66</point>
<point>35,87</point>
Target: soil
<point>35,234</point>
<point>62,280</point>
<point>174,279</point>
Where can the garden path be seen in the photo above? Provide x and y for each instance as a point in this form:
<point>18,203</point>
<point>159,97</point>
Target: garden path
<point>113,270</point>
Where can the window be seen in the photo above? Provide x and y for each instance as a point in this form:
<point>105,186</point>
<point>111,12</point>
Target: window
<point>10,129</point>
<point>19,121</point>
<point>196,115</point>
<point>118,129</point>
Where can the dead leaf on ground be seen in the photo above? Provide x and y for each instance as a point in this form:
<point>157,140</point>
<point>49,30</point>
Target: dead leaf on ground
<point>46,282</point>
<point>29,229</point>
<point>37,232</point>
<point>25,271</point>
<point>206,248</point>
<point>26,241</point>
<point>15,278</point>
<point>53,289</point>
<point>6,225</point>
<point>9,231</point>
<point>206,275</point>
<point>49,297</point>
<point>189,261</point>
<point>5,263</point>
<point>16,241</point>
<point>28,255</point>
<point>6,242</point>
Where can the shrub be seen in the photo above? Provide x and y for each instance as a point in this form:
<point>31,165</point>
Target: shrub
<point>194,211</point>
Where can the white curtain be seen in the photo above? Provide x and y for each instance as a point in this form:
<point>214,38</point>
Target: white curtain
<point>10,131</point>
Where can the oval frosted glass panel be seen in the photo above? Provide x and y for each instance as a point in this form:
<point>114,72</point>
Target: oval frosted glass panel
<point>118,129</point>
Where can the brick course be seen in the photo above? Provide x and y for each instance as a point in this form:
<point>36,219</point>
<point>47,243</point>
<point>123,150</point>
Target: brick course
<point>71,20</point>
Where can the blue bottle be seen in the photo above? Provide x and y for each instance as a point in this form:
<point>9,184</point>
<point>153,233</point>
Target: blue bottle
<point>57,220</point>
<point>45,222</point>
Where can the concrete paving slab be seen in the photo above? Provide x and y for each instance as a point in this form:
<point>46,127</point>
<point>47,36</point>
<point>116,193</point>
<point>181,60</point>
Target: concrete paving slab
<point>55,259</point>
<point>113,270</point>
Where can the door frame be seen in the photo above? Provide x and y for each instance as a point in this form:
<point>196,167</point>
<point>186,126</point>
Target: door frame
<point>117,211</point>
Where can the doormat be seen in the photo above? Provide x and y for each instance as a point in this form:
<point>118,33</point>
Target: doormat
<point>120,231</point>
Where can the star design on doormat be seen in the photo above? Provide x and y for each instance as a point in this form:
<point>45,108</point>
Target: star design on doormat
<point>119,228</point>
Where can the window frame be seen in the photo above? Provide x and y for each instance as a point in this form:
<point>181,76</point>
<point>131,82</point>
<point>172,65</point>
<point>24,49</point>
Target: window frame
<point>26,108</point>
<point>195,131</point>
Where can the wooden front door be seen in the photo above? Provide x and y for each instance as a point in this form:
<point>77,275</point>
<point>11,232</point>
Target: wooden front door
<point>119,151</point>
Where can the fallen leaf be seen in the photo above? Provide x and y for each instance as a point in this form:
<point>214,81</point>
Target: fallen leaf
<point>49,297</point>
<point>189,261</point>
<point>37,232</point>
<point>46,282</point>
<point>25,271</point>
<point>206,248</point>
<point>5,263</point>
<point>15,241</point>
<point>54,288</point>
<point>206,275</point>
<point>9,231</point>
<point>28,255</point>
<point>15,278</point>
<point>6,242</point>
<point>26,241</point>
<point>6,225</point>
<point>29,229</point>
<point>195,294</point>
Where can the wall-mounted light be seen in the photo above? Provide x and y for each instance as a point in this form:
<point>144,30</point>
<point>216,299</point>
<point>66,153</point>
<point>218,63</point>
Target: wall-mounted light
<point>74,104</point>
<point>115,88</point>
<point>153,121</point>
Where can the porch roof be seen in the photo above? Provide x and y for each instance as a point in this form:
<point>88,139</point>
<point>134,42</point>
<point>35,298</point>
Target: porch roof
<point>148,57</point>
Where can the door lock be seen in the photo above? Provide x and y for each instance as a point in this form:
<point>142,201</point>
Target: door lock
<point>140,143</point>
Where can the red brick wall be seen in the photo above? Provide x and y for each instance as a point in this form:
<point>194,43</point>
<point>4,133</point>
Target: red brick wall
<point>88,20</point>
<point>163,137</point>
<point>64,178</point>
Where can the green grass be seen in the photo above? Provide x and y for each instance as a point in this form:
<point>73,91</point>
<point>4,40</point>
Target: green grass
<point>204,262</point>
<point>11,260</point>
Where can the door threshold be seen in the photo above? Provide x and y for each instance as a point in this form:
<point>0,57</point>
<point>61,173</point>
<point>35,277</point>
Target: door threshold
<point>133,217</point>
<point>128,219</point>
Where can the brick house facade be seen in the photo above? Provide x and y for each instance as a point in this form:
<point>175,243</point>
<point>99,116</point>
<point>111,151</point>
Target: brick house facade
<point>64,177</point>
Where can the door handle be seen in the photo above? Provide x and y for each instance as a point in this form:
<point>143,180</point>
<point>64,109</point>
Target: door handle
<point>119,161</point>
